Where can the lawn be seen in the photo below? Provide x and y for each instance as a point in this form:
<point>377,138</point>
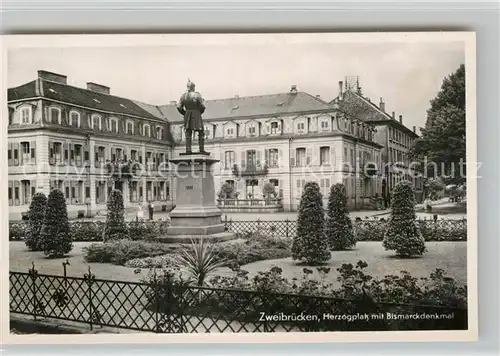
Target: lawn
<point>449,256</point>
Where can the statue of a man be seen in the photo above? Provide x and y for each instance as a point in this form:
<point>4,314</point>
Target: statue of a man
<point>191,106</point>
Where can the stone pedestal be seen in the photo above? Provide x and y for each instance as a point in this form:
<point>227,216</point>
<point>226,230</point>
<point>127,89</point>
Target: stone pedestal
<point>195,214</point>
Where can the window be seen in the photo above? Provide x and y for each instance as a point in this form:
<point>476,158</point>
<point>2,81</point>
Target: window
<point>324,155</point>
<point>275,182</point>
<point>130,128</point>
<point>300,126</point>
<point>113,124</point>
<point>325,187</point>
<point>74,119</point>
<point>300,186</point>
<point>229,159</point>
<point>230,182</point>
<point>251,130</point>
<point>25,152</point>
<point>95,122</point>
<point>159,133</point>
<point>273,158</point>
<point>324,125</point>
<point>55,154</point>
<point>25,115</point>
<point>230,131</point>
<point>208,132</point>
<point>55,115</point>
<point>300,157</point>
<point>77,155</point>
<point>274,128</point>
<point>146,130</point>
<point>353,159</point>
<point>251,158</point>
<point>134,191</point>
<point>133,155</point>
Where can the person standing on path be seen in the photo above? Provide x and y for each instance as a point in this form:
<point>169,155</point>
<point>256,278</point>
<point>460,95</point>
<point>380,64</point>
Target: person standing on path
<point>140,212</point>
<point>151,210</point>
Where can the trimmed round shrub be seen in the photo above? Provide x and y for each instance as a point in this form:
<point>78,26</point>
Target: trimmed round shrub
<point>116,228</point>
<point>310,244</point>
<point>36,214</point>
<point>55,237</point>
<point>403,235</point>
<point>339,229</point>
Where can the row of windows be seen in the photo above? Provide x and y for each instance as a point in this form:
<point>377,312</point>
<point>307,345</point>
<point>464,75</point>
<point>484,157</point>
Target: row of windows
<point>400,137</point>
<point>301,126</point>
<point>252,189</point>
<point>21,153</point>
<point>95,122</point>
<point>76,154</point>
<point>362,158</point>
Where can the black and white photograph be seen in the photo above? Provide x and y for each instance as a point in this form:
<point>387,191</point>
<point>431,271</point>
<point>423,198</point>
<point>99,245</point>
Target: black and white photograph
<point>241,184</point>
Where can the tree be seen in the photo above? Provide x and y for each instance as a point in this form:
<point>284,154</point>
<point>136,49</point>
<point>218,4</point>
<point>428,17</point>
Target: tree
<point>268,190</point>
<point>115,220</point>
<point>442,144</point>
<point>36,215</point>
<point>403,234</point>
<point>55,237</point>
<point>339,229</point>
<point>310,244</point>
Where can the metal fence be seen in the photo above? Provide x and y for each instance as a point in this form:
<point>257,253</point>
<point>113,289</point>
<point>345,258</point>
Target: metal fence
<point>450,230</point>
<point>175,308</point>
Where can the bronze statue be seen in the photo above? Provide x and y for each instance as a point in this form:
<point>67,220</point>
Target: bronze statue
<point>191,106</point>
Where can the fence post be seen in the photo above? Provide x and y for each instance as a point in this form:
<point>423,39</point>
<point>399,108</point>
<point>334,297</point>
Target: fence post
<point>286,227</point>
<point>33,273</point>
<point>89,279</point>
<point>64,267</point>
<point>258,225</point>
<point>157,303</point>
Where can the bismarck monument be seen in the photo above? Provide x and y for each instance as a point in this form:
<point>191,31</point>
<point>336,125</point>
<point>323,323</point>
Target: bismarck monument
<point>195,213</point>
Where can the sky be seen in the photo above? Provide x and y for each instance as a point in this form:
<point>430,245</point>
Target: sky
<point>406,75</point>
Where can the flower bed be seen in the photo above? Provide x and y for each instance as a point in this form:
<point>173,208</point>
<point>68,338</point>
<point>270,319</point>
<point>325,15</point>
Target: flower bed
<point>93,230</point>
<point>441,230</point>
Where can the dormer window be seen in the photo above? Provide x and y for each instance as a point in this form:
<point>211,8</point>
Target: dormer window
<point>52,91</point>
<point>130,127</point>
<point>274,128</point>
<point>230,131</point>
<point>324,125</point>
<point>113,124</point>
<point>97,101</point>
<point>280,103</point>
<point>55,115</point>
<point>96,122</point>
<point>251,130</point>
<point>235,107</point>
<point>25,115</point>
<point>159,133</point>
<point>74,119</point>
<point>301,126</point>
<point>146,130</point>
<point>123,106</point>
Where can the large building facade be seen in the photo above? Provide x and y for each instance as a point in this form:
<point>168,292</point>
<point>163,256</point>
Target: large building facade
<point>60,136</point>
<point>286,139</point>
<point>70,138</point>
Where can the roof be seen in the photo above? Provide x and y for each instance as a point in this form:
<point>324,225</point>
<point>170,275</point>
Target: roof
<point>83,97</point>
<point>260,105</point>
<point>357,106</point>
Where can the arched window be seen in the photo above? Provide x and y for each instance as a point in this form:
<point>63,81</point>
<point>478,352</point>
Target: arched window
<point>129,127</point>
<point>25,115</point>
<point>74,118</point>
<point>113,124</point>
<point>146,130</point>
<point>55,115</point>
<point>96,122</point>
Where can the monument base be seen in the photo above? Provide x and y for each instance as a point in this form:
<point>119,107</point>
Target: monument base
<point>195,215</point>
<point>186,239</point>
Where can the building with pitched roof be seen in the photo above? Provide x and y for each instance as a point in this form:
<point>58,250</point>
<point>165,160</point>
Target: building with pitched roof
<point>66,137</point>
<point>391,133</point>
<point>285,139</point>
<point>61,136</point>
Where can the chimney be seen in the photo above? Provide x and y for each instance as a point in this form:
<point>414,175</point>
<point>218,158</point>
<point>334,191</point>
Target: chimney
<point>394,115</point>
<point>318,96</point>
<point>53,77</point>
<point>293,89</point>
<point>415,129</point>
<point>382,105</point>
<point>340,89</point>
<point>98,88</point>
<point>173,102</point>
<point>400,119</point>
